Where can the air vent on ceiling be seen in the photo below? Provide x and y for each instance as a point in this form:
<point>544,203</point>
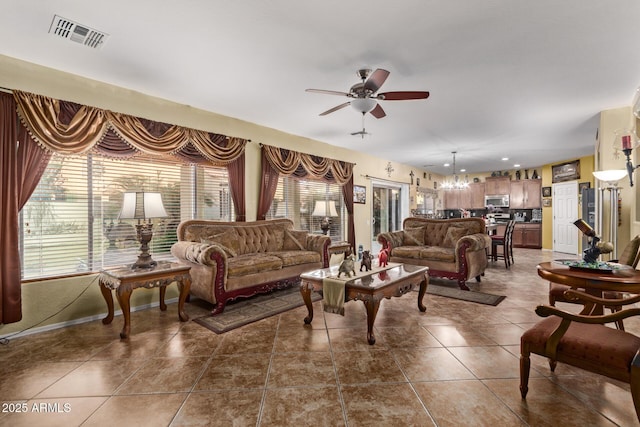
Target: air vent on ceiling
<point>76,32</point>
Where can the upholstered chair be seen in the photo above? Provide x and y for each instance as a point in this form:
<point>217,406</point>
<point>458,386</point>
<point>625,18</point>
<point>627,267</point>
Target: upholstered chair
<point>585,342</point>
<point>630,256</point>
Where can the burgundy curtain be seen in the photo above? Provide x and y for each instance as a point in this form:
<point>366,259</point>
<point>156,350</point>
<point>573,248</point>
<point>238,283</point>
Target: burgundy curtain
<point>236,184</point>
<point>22,163</point>
<point>277,161</point>
<point>268,186</point>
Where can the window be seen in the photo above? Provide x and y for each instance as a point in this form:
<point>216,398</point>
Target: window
<point>296,199</point>
<point>70,224</point>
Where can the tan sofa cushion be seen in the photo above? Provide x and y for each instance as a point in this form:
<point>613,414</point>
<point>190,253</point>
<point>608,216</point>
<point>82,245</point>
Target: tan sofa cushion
<point>413,237</point>
<point>253,263</point>
<point>228,241</point>
<point>452,235</point>
<point>297,257</point>
<point>294,240</point>
<point>406,252</point>
<point>437,253</point>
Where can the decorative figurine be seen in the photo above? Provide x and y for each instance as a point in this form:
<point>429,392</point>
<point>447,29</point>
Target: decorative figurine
<point>383,257</point>
<point>366,261</point>
<point>347,266</point>
<point>535,174</point>
<point>518,175</point>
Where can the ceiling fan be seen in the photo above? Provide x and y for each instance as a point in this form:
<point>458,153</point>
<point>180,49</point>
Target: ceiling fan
<point>364,97</point>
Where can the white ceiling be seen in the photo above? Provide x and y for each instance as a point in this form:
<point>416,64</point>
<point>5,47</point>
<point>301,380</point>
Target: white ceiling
<point>508,78</point>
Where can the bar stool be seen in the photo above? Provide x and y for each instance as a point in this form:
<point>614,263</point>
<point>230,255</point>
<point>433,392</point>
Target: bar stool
<point>506,242</point>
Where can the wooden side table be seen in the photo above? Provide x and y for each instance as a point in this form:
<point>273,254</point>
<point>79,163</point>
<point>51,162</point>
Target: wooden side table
<point>124,280</point>
<point>338,247</point>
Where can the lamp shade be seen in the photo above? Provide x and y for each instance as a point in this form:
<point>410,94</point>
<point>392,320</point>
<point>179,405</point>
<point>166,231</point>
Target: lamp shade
<point>325,208</point>
<point>142,205</point>
<point>611,176</point>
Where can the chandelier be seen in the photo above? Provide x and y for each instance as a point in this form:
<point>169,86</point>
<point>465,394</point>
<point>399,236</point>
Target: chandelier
<point>455,184</point>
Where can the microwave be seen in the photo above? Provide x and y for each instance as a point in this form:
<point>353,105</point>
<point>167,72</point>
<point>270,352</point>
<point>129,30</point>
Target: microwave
<point>498,201</point>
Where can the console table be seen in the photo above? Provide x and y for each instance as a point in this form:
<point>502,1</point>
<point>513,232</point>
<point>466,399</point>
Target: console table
<point>124,280</point>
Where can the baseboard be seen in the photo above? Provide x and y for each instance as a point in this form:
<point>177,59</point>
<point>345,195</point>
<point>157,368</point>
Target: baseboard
<point>34,330</point>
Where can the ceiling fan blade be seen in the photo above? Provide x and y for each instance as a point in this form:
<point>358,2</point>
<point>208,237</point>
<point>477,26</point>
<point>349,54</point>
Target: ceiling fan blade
<point>327,92</point>
<point>376,79</point>
<point>378,112</point>
<point>336,108</point>
<point>401,96</point>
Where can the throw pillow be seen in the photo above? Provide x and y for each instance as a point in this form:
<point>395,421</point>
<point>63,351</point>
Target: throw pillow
<point>413,237</point>
<point>452,236</point>
<point>228,241</point>
<point>294,240</point>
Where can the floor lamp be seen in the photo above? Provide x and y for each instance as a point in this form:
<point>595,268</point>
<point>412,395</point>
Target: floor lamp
<point>611,178</point>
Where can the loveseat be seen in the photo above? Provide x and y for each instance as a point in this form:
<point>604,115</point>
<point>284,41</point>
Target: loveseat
<point>451,248</point>
<point>239,259</point>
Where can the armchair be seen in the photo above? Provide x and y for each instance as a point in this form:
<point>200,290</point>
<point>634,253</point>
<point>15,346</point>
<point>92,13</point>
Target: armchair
<point>585,342</point>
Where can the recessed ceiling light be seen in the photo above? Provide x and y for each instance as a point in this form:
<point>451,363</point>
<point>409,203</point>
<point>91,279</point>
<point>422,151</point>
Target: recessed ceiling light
<point>505,158</point>
<point>446,164</point>
<point>463,170</point>
<point>516,165</point>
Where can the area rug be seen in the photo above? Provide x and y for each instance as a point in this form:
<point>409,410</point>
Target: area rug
<point>256,308</point>
<point>471,296</point>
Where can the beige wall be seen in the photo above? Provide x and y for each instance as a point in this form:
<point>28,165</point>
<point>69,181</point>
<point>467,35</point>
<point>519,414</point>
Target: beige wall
<point>41,299</point>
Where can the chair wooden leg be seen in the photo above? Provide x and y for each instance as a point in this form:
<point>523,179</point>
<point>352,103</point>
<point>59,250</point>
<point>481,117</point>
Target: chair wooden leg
<point>525,365</point>
<point>552,365</point>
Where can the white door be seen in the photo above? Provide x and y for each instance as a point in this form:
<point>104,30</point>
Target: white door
<point>565,212</point>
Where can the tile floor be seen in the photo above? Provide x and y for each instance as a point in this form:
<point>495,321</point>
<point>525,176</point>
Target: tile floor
<point>455,365</point>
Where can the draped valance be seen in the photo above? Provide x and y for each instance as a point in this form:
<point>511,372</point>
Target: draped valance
<point>68,128</point>
<point>288,162</point>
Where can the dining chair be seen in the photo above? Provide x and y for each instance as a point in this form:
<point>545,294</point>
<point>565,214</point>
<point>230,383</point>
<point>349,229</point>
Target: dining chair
<point>585,342</point>
<point>630,256</point>
<point>505,241</point>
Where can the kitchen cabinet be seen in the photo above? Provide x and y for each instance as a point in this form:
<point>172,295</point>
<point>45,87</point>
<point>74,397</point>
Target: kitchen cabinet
<point>497,185</point>
<point>457,199</point>
<point>476,195</point>
<point>527,235</point>
<point>525,194</point>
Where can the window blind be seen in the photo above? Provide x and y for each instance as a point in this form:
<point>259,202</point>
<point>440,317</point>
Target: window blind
<point>70,224</point>
<point>296,199</point>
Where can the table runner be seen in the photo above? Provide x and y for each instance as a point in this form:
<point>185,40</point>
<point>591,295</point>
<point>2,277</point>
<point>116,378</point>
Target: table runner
<point>333,292</point>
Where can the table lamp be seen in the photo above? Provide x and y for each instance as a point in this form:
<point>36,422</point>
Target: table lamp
<point>325,209</point>
<point>143,206</point>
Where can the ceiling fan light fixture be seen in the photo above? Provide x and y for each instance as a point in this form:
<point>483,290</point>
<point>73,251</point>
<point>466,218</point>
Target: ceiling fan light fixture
<point>364,105</point>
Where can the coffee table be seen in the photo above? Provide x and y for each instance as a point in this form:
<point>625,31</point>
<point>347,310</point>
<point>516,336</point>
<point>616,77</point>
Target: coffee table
<point>370,288</point>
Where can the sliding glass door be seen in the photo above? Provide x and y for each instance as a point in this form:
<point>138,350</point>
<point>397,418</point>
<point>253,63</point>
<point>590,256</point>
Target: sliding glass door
<point>387,212</point>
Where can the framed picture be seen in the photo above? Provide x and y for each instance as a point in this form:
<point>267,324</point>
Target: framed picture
<point>565,171</point>
<point>359,194</point>
<point>546,191</point>
<point>546,203</point>
<point>583,186</point>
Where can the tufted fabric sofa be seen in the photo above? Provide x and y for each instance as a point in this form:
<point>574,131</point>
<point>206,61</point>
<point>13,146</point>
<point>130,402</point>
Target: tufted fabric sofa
<point>451,248</point>
<point>239,259</point>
